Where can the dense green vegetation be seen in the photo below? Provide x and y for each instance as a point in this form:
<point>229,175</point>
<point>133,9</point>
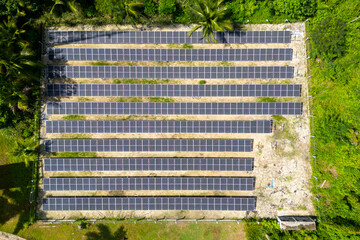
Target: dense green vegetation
<point>334,65</point>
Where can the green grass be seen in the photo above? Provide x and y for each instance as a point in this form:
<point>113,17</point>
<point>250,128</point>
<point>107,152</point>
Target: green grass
<point>187,46</point>
<point>74,155</point>
<point>73,117</point>
<point>201,82</point>
<point>142,230</point>
<point>267,99</point>
<point>141,81</point>
<point>143,99</point>
<point>160,99</point>
<point>100,63</point>
<point>278,118</point>
<point>14,185</point>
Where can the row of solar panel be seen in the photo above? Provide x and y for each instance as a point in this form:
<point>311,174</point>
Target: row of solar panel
<point>174,108</point>
<point>169,90</point>
<point>148,145</point>
<point>256,126</point>
<point>162,54</point>
<point>150,184</point>
<point>142,72</point>
<point>148,164</point>
<point>149,203</point>
<point>166,37</point>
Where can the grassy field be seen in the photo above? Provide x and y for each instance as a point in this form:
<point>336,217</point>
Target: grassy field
<point>14,186</point>
<point>142,230</point>
<point>14,212</point>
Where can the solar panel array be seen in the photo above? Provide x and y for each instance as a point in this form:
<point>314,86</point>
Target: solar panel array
<point>147,182</point>
<point>148,164</point>
<point>150,184</point>
<point>175,108</point>
<point>148,145</point>
<point>165,37</point>
<point>148,203</point>
<point>142,72</point>
<point>172,54</point>
<point>168,90</point>
<point>145,126</point>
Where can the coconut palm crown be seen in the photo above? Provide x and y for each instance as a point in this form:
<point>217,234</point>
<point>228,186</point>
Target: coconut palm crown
<point>211,15</point>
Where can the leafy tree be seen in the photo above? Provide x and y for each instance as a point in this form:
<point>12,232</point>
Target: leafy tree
<point>328,38</point>
<point>210,16</point>
<point>167,7</point>
<point>298,9</point>
<point>242,9</point>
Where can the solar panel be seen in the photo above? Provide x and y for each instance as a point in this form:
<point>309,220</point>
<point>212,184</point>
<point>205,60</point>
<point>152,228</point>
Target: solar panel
<point>141,54</point>
<point>148,164</point>
<point>149,203</point>
<point>165,37</point>
<point>175,108</point>
<point>148,145</point>
<point>143,72</point>
<point>144,126</point>
<point>169,90</point>
<point>149,184</point>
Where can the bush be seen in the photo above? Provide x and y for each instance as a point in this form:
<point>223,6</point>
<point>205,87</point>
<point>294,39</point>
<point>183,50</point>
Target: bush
<point>242,9</point>
<point>298,9</point>
<point>167,7</point>
<point>150,8</point>
<point>328,38</point>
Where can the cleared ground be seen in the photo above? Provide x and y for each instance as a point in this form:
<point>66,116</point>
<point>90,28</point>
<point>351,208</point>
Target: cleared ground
<point>282,160</point>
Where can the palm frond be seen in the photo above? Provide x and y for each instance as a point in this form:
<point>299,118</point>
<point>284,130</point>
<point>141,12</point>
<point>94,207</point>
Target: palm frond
<point>193,30</point>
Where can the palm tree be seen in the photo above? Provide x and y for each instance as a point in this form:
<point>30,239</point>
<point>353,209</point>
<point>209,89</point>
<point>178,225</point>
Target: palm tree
<point>72,5</point>
<point>211,16</point>
<point>130,11</point>
<point>18,66</point>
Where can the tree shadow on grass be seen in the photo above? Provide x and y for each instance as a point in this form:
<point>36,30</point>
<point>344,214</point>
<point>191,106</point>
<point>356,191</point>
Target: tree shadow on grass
<point>104,233</point>
<point>15,188</point>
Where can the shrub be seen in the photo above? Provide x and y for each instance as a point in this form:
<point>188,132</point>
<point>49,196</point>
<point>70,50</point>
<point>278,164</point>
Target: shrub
<point>328,38</point>
<point>150,8</point>
<point>242,9</point>
<point>298,9</point>
<point>167,7</point>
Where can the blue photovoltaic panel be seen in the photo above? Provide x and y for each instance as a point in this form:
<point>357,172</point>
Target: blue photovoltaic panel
<point>149,184</point>
<point>163,54</point>
<point>145,126</point>
<point>165,37</point>
<point>148,164</point>
<point>142,72</point>
<point>148,145</point>
<point>169,90</point>
<point>149,203</point>
<point>175,108</point>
